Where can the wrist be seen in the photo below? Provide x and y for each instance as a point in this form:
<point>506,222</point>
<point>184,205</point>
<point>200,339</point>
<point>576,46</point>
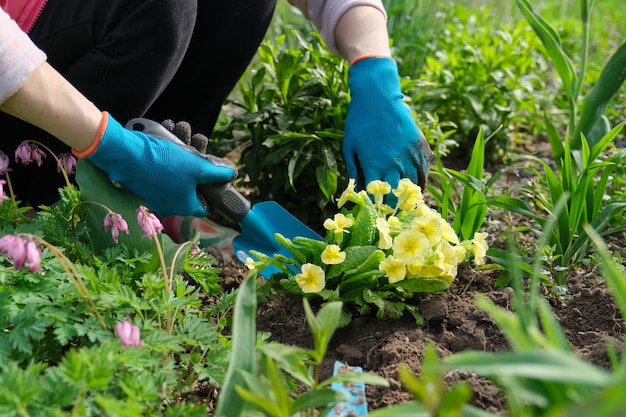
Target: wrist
<point>364,57</point>
<point>104,121</point>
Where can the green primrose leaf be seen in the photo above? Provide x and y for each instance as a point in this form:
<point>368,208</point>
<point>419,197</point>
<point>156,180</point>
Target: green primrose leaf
<point>358,259</point>
<point>416,285</point>
<point>364,231</point>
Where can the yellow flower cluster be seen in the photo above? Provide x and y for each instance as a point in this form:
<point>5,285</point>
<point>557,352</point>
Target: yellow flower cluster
<point>416,240</point>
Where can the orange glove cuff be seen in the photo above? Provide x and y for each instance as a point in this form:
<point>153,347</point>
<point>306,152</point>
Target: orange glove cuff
<point>92,148</point>
<point>361,58</point>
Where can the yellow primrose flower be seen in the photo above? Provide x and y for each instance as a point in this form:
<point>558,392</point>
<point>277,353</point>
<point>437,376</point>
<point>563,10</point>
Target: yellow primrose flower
<point>418,270</point>
<point>393,222</point>
<point>384,232</point>
<point>393,268</point>
<point>409,194</point>
<point>333,255</point>
<point>379,189</point>
<point>430,226</point>
<point>448,232</point>
<point>350,195</point>
<point>479,248</point>
<point>410,246</point>
<point>338,224</point>
<point>448,257</point>
<point>311,279</point>
<point>454,255</point>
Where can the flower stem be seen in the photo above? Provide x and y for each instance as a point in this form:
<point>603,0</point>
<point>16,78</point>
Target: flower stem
<point>11,193</point>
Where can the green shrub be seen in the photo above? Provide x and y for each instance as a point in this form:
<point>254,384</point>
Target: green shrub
<point>294,103</point>
<point>482,75</point>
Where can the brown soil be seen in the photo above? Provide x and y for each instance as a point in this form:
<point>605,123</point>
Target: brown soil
<point>588,315</point>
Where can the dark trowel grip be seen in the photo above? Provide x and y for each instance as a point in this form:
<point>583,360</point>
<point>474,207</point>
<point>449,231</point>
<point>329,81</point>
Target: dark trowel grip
<point>226,200</point>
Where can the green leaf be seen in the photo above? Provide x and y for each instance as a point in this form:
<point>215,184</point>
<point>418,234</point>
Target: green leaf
<point>416,285</point>
<point>319,398</point>
<point>323,325</point>
<point>546,366</point>
<point>358,259</point>
<point>385,307</point>
<point>363,232</point>
<point>242,357</point>
<point>596,100</point>
<point>552,42</point>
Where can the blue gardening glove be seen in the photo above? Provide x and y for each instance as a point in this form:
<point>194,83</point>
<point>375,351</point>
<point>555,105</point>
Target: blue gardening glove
<point>381,139</point>
<point>162,173</point>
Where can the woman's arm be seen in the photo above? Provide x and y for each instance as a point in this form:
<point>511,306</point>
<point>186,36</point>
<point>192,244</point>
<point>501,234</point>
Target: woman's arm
<point>362,31</point>
<point>50,102</point>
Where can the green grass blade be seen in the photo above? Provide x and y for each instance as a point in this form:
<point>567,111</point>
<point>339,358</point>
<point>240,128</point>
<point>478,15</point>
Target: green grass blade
<point>552,43</point>
<point>546,366</point>
<point>614,276</point>
<point>242,356</point>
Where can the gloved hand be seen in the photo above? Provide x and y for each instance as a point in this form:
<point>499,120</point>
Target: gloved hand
<point>162,173</point>
<point>381,139</point>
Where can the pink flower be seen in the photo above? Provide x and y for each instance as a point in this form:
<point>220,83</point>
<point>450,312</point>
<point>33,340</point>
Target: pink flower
<point>148,222</point>
<point>68,162</point>
<point>2,196</point>
<point>4,163</point>
<point>33,255</point>
<point>128,333</point>
<point>28,152</point>
<point>116,223</point>
<point>21,251</point>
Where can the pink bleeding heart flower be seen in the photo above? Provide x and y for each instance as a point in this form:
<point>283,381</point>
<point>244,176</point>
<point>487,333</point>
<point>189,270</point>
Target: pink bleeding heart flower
<point>21,251</point>
<point>148,222</point>
<point>28,152</point>
<point>68,162</point>
<point>128,334</point>
<point>116,223</point>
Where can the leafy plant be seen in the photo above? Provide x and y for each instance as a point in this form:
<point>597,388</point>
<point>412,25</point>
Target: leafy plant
<point>478,76</point>
<point>468,207</point>
<point>583,205</point>
<point>375,257</point>
<point>582,169</point>
<point>294,102</point>
<point>63,307</point>
<point>541,375</point>
<point>431,397</point>
<point>591,121</point>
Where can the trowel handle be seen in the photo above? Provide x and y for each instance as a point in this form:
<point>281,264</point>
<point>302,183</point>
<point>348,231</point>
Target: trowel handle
<point>223,198</point>
<point>226,200</point>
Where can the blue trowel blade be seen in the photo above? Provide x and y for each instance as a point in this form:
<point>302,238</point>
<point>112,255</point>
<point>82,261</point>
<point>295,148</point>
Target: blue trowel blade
<point>257,233</point>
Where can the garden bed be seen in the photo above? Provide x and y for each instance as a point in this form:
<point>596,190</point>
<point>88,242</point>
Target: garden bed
<point>588,314</point>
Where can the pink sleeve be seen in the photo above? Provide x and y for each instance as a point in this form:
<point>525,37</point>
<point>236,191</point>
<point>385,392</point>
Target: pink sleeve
<point>19,57</point>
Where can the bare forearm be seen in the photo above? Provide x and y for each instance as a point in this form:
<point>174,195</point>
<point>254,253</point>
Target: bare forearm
<point>362,31</point>
<point>51,103</point>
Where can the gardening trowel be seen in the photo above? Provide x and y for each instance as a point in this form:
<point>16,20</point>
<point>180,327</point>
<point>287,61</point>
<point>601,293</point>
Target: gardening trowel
<point>258,224</point>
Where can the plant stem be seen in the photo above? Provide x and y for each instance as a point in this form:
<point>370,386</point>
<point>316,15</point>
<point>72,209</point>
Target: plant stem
<point>11,192</point>
<point>165,275</point>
